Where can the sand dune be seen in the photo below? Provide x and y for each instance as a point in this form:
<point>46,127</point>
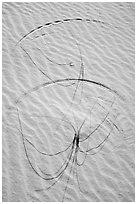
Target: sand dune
<point>68,102</point>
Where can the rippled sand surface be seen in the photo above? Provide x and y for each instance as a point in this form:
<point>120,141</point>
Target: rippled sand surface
<point>68,102</point>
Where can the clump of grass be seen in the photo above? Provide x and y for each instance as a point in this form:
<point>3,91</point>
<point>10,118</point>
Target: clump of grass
<point>77,144</point>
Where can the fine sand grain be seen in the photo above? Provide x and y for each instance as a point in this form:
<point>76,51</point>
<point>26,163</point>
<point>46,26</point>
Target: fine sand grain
<point>68,102</point>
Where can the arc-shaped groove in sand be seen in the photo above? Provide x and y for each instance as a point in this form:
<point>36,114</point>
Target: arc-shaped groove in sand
<point>56,22</point>
<point>34,89</point>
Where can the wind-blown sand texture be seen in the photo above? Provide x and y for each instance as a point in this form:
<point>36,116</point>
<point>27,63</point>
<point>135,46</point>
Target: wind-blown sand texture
<point>68,102</point>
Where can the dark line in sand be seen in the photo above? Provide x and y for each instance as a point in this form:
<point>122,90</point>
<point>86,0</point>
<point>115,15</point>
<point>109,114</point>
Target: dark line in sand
<point>57,22</point>
<point>64,80</point>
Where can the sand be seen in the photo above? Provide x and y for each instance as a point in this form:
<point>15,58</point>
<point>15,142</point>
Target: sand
<point>66,139</point>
